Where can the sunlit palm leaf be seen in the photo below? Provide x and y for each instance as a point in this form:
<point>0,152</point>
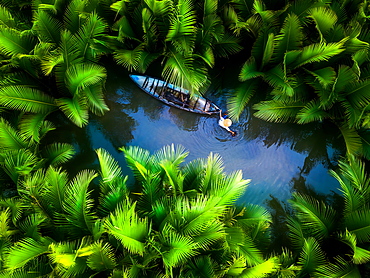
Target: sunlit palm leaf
<point>176,249</point>
<point>125,225</point>
<point>75,109</point>
<point>102,258</point>
<point>277,111</point>
<point>324,18</point>
<point>95,99</point>
<point>249,70</point>
<point>130,58</point>
<point>10,138</point>
<point>78,205</point>
<point>13,42</point>
<point>203,266</point>
<point>25,251</point>
<point>47,27</point>
<point>325,76</point>
<point>296,233</point>
<point>212,171</point>
<point>183,22</point>
<point>270,266</point>
<point>30,225</point>
<point>109,168</point>
<point>311,256</point>
<point>26,99</point>
<point>277,79</point>
<point>316,217</point>
<point>135,155</point>
<point>58,153</point>
<point>72,15</point>
<point>317,52</point>
<point>81,76</point>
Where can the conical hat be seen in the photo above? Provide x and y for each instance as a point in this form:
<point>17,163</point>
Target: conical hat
<point>227,122</point>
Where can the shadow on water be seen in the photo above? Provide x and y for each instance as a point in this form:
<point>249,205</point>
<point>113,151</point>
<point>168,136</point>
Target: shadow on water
<point>278,158</point>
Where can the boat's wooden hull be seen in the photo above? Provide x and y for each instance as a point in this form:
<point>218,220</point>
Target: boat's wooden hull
<point>174,96</point>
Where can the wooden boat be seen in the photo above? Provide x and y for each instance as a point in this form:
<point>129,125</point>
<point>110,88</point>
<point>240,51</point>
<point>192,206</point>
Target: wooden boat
<point>174,96</point>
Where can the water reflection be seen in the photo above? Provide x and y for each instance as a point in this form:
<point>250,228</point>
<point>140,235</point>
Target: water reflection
<point>278,158</point>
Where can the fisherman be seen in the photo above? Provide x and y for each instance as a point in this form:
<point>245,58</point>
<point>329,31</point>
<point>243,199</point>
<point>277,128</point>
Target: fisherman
<point>224,122</point>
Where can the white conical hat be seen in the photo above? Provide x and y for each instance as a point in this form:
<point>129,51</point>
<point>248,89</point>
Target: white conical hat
<point>227,122</point>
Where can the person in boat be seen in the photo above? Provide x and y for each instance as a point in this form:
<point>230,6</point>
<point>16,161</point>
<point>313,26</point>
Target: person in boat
<point>225,122</point>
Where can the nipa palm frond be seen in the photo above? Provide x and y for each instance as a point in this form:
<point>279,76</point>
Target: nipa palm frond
<point>358,223</point>
<point>81,76</point>
<point>25,251</point>
<point>311,113</point>
<point>125,225</point>
<point>78,205</point>
<point>10,138</point>
<point>75,109</point>
<point>290,37</point>
<point>6,18</point>
<point>19,163</point>
<point>317,217</point>
<point>13,42</point>
<point>238,101</point>
<point>46,27</point>
<point>26,99</point>
<point>58,153</point>
<point>57,186</point>
<point>102,258</point>
<point>95,99</point>
<point>183,21</point>
<point>277,111</point>
<point>34,127</point>
<point>130,58</point>
<point>340,268</point>
<point>109,168</point>
<point>360,255</point>
<point>311,256</point>
<point>352,139</point>
<point>324,18</point>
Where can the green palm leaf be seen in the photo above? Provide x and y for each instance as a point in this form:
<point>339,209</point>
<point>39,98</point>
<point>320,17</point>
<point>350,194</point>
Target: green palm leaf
<point>311,256</point>
<point>81,76</point>
<point>249,70</point>
<point>19,163</point>
<point>314,53</point>
<point>58,153</point>
<point>34,127</point>
<point>212,171</point>
<point>358,93</point>
<point>95,100</point>
<point>358,223</point>
<point>102,258</point>
<point>10,138</point>
<point>25,251</point>
<point>13,42</point>
<point>290,37</point>
<point>30,226</point>
<point>269,266</point>
<point>183,22</point>
<point>203,266</point>
<point>174,154</point>
<point>311,113</point>
<point>5,230</point>
<point>176,249</point>
<point>78,205</point>
<point>72,15</point>
<point>316,217</point>
<point>47,28</point>
<point>109,168</point>
<point>226,46</point>
<point>345,76</point>
<point>340,269</point>
<point>26,99</point>
<point>125,225</point>
<point>93,27</point>
<point>277,79</point>
<point>57,186</point>
<point>325,76</point>
<point>75,109</point>
<point>351,138</point>
<point>360,255</point>
<point>277,111</point>
<point>244,92</point>
<point>6,18</point>
<point>130,58</point>
<point>324,18</point>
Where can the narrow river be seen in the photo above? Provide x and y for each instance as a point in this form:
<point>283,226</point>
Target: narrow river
<point>278,158</point>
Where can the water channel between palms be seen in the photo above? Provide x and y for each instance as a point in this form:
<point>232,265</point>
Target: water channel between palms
<point>278,158</point>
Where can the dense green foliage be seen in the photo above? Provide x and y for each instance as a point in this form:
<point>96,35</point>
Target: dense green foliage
<point>311,59</point>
